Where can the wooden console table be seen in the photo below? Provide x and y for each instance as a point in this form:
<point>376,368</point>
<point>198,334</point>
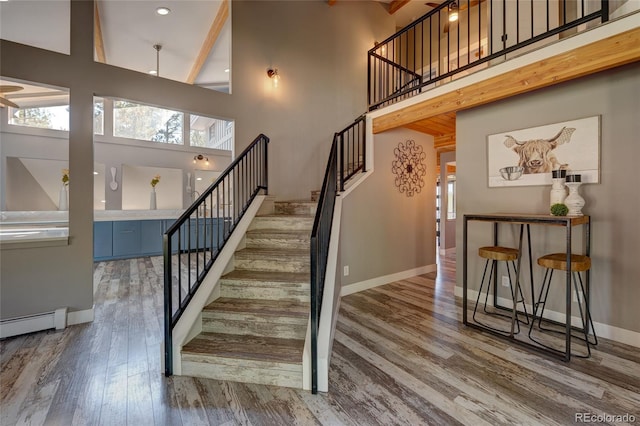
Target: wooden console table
<point>568,222</point>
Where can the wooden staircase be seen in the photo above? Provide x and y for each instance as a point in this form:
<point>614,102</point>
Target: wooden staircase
<point>254,332</point>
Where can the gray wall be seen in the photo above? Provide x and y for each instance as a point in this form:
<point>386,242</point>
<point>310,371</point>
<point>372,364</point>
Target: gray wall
<point>23,189</point>
<point>383,231</point>
<point>16,145</point>
<point>321,55</point>
<point>613,203</point>
<point>447,227</point>
<point>320,52</point>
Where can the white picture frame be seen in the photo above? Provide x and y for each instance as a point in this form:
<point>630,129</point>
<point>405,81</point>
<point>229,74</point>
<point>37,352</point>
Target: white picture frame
<point>577,151</point>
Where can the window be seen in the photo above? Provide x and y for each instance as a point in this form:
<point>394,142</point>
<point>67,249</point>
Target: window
<point>136,121</point>
<point>49,117</point>
<point>209,132</point>
<point>451,197</point>
<point>98,116</point>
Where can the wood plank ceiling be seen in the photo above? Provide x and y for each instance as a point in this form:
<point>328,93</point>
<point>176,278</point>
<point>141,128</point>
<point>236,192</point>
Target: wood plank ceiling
<point>436,116</point>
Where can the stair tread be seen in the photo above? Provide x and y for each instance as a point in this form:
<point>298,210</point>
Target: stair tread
<point>246,347</point>
<point>287,216</point>
<point>296,202</point>
<point>270,251</point>
<point>267,276</point>
<point>276,231</point>
<point>285,308</point>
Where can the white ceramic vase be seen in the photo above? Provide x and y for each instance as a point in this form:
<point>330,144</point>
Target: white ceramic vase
<point>574,200</point>
<point>63,199</point>
<point>152,199</point>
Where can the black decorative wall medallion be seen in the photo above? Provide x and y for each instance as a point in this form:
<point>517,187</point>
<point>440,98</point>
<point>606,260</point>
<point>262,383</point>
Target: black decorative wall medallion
<point>409,167</point>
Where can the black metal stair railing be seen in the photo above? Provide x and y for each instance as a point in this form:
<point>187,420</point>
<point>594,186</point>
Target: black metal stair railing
<point>352,150</point>
<point>432,48</point>
<point>193,242</point>
<point>346,158</point>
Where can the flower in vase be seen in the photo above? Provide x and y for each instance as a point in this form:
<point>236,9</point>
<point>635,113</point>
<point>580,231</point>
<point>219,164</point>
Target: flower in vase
<point>65,177</point>
<point>155,180</point>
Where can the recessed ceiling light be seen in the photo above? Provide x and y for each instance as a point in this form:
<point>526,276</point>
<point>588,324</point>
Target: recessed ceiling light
<point>163,11</point>
<point>153,72</point>
<point>227,70</point>
<point>95,173</point>
<point>102,201</point>
<point>198,178</point>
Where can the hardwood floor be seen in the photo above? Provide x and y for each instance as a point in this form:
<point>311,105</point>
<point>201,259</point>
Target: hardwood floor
<point>401,356</point>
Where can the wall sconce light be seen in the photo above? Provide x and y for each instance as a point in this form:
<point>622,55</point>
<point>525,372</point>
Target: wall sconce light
<point>201,157</point>
<point>272,73</point>
<point>453,12</point>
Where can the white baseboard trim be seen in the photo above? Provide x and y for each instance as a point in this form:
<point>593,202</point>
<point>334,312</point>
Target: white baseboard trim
<point>375,282</point>
<point>80,317</point>
<point>58,319</point>
<point>606,331</point>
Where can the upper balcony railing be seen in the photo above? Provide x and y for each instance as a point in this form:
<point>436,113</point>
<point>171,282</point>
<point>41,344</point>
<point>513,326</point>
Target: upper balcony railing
<point>435,48</point>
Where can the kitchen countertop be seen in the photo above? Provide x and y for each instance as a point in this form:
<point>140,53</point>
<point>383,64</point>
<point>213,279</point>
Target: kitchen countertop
<point>28,229</point>
<point>10,218</point>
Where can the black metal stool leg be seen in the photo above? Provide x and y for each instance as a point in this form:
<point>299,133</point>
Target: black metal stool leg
<point>586,315</point>
<point>492,271</point>
<point>484,273</point>
<point>540,301</point>
<point>514,296</point>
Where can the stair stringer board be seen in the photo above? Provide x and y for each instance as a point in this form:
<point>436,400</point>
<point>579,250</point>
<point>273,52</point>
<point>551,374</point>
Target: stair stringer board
<point>190,323</point>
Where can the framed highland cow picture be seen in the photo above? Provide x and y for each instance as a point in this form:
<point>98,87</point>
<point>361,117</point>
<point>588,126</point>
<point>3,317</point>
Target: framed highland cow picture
<point>528,156</point>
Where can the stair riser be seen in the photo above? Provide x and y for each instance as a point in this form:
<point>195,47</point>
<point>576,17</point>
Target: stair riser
<point>296,208</point>
<point>265,291</point>
<point>282,222</point>
<point>272,264</point>
<point>267,241</point>
<point>242,373</point>
<point>257,327</point>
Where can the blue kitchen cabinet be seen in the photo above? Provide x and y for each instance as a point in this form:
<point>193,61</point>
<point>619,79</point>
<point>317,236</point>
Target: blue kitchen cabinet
<point>151,237</point>
<point>137,238</point>
<point>126,238</point>
<point>102,240</point>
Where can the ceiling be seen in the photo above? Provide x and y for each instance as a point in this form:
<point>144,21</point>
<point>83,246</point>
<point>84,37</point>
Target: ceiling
<point>195,40</point>
<point>195,36</point>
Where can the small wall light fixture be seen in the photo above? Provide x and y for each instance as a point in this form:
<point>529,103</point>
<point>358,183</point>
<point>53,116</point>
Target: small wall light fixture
<point>272,73</point>
<point>453,12</point>
<point>201,157</point>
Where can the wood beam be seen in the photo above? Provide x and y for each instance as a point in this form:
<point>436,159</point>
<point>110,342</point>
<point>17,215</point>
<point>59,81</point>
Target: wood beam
<point>209,41</point>
<point>445,141</point>
<point>395,5</point>
<point>98,41</point>
<point>601,55</point>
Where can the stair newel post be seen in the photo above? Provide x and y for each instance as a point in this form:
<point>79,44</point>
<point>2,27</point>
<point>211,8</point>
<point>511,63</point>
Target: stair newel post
<point>266,166</point>
<point>341,141</point>
<point>168,308</point>
<point>314,316</point>
<point>364,146</point>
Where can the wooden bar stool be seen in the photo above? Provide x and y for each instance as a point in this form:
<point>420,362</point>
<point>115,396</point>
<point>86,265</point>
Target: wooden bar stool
<point>508,255</point>
<point>558,261</point>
